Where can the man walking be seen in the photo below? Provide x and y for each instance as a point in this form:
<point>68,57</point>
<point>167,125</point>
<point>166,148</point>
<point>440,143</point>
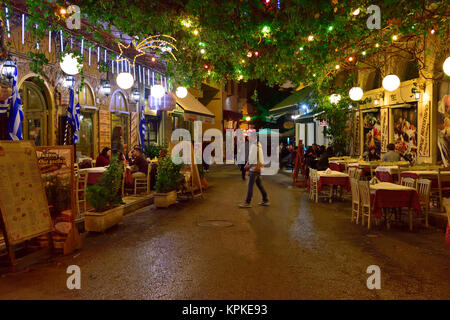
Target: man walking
<point>255,176</point>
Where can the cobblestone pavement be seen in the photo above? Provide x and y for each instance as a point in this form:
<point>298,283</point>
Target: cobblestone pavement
<point>294,249</point>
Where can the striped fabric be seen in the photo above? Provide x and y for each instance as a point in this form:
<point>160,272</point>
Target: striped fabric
<point>73,117</point>
<point>142,130</point>
<point>16,111</point>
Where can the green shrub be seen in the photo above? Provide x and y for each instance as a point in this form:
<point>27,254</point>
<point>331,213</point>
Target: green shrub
<point>105,194</point>
<point>168,176</point>
<point>152,150</point>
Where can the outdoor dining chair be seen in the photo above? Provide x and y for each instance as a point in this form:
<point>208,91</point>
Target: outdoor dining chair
<point>408,182</point>
<point>366,210</point>
<point>358,174</point>
<point>424,189</point>
<point>314,181</point>
<point>356,207</point>
<point>143,183</point>
<point>443,185</point>
<point>80,192</point>
<point>352,172</point>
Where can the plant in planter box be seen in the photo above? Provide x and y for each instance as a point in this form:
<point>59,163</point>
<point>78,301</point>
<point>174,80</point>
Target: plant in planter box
<point>168,181</point>
<point>105,198</point>
<point>152,150</point>
<point>104,195</point>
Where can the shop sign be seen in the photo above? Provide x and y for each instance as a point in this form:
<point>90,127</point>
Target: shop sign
<point>424,131</point>
<point>384,129</point>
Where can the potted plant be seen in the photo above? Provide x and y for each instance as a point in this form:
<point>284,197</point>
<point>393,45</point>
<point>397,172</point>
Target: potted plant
<point>105,199</point>
<point>201,173</point>
<point>168,181</point>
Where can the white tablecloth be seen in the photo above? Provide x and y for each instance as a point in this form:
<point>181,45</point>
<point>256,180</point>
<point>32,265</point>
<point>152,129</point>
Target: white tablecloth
<point>333,174</point>
<point>389,186</point>
<point>390,169</point>
<point>94,170</point>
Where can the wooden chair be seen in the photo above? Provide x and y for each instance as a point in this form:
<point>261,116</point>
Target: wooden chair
<point>356,201</point>
<point>366,210</point>
<point>424,190</point>
<point>443,178</point>
<point>143,183</point>
<point>358,174</point>
<point>125,189</point>
<point>352,172</point>
<point>408,182</point>
<point>314,184</point>
<point>80,192</point>
<point>401,169</point>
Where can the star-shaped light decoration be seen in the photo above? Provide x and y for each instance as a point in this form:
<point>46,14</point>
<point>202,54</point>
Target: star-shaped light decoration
<point>150,42</point>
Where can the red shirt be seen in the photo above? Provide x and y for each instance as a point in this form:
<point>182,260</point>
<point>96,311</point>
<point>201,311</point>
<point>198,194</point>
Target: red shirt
<point>102,161</point>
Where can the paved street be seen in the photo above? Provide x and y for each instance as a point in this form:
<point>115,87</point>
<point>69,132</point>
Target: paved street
<point>293,249</point>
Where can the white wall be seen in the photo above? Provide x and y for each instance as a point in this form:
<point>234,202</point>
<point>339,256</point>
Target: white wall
<point>310,134</point>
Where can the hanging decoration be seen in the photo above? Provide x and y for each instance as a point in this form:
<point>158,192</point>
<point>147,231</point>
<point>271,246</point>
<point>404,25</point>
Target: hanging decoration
<point>356,93</point>
<point>391,82</point>
<point>181,92</point>
<point>446,66</point>
<point>125,80</point>
<point>139,48</point>
<point>70,64</point>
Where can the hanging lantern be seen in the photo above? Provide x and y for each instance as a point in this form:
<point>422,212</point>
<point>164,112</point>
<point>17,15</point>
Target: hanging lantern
<point>125,80</point>
<point>158,91</point>
<point>391,82</point>
<point>8,69</point>
<point>69,81</point>
<point>356,93</point>
<point>136,95</point>
<point>446,66</point>
<point>70,64</point>
<point>181,92</point>
<point>335,98</point>
<point>105,87</point>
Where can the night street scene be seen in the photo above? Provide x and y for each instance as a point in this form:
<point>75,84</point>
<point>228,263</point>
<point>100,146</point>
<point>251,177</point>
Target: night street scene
<point>225,159</point>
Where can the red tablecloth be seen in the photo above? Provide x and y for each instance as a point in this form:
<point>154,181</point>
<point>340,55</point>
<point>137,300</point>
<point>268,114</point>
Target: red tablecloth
<point>94,177</point>
<point>337,166</point>
<point>344,182</point>
<point>395,199</point>
<point>386,176</point>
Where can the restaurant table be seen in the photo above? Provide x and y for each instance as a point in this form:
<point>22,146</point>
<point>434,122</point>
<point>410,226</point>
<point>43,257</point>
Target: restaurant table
<point>365,167</point>
<point>332,179</point>
<point>94,174</point>
<point>424,174</point>
<point>337,165</point>
<point>391,195</point>
<point>387,173</point>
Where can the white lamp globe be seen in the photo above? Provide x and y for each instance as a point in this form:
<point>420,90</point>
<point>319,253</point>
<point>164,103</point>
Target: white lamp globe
<point>181,92</point>
<point>447,66</point>
<point>158,91</point>
<point>335,98</point>
<point>70,64</point>
<point>125,80</point>
<point>356,93</point>
<point>391,82</point>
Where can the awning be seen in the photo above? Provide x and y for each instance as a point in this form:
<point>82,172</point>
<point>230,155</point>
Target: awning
<point>292,102</point>
<point>308,117</point>
<point>194,110</point>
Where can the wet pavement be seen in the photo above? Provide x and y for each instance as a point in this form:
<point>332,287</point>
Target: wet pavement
<point>210,249</point>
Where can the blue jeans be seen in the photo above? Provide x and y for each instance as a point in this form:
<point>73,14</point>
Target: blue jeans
<point>252,178</point>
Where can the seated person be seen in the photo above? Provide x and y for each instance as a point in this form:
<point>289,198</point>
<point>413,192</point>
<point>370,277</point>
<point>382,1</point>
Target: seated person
<point>373,156</point>
<point>391,155</point>
<point>138,162</point>
<point>323,162</point>
<point>103,158</point>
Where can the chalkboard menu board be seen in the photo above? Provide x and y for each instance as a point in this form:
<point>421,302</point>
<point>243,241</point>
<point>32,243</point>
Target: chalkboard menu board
<point>104,119</point>
<point>23,202</point>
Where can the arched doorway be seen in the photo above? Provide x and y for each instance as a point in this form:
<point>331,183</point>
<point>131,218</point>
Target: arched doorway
<point>36,112</point>
<point>88,121</point>
<point>120,116</point>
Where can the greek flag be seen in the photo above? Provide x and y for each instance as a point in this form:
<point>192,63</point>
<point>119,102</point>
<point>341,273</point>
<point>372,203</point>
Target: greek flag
<point>73,116</point>
<point>142,130</point>
<point>15,112</point>
<point>4,106</point>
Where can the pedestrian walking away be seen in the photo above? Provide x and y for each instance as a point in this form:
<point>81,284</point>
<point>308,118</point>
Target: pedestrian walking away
<point>255,176</point>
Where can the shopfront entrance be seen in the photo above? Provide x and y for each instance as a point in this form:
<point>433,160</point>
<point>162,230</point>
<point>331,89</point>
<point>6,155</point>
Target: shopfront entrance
<point>88,123</point>
<point>120,116</point>
<point>36,113</point>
